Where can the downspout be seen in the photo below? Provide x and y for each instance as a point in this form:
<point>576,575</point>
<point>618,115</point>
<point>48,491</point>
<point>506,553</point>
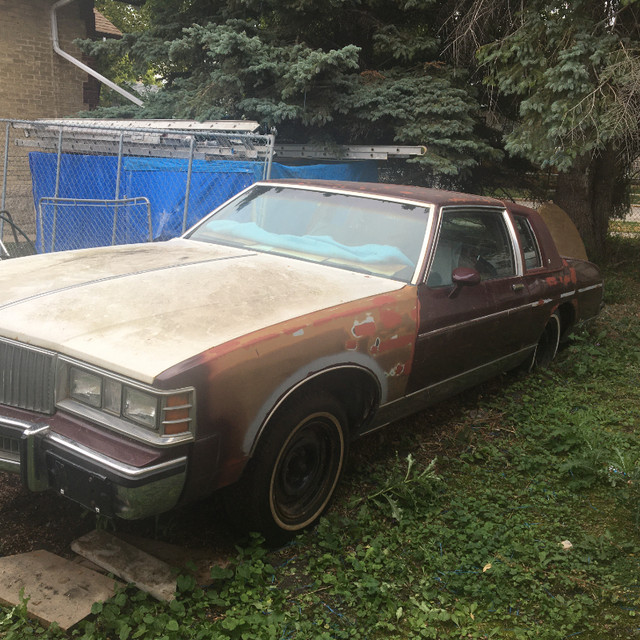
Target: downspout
<point>81,65</point>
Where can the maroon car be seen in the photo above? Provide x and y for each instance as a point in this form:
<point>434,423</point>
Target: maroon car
<point>249,353</point>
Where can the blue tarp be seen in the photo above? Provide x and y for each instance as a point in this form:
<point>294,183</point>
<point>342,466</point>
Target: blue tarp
<point>162,181</point>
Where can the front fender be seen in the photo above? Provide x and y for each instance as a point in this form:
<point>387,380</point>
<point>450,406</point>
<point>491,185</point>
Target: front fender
<point>240,383</point>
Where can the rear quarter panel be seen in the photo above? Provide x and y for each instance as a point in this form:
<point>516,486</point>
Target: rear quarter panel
<point>589,288</point>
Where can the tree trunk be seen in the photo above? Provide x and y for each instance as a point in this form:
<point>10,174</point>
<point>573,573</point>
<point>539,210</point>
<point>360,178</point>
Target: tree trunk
<point>586,193</point>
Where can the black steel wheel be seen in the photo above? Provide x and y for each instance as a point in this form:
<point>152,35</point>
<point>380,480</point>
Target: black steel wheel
<point>548,343</point>
<point>294,471</point>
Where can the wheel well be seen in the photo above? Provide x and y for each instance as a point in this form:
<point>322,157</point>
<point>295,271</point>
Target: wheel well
<point>567,319</point>
<point>356,390</point>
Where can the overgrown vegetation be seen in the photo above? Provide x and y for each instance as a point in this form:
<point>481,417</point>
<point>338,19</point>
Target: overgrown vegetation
<point>511,512</point>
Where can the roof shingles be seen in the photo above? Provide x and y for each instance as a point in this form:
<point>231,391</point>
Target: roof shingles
<point>104,27</point>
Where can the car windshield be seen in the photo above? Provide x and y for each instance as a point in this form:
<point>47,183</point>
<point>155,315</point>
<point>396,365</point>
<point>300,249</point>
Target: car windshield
<point>379,237</point>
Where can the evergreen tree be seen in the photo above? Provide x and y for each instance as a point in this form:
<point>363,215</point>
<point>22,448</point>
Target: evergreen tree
<point>330,71</point>
<point>567,76</point>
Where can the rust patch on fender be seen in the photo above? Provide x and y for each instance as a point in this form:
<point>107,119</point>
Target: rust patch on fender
<point>364,328</point>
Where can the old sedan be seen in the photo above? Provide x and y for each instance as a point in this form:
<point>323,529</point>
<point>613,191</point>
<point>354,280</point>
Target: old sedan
<point>250,352</point>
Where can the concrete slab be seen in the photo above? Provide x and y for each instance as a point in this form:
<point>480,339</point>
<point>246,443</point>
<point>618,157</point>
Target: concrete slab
<point>129,563</point>
<point>197,562</point>
<point>58,590</point>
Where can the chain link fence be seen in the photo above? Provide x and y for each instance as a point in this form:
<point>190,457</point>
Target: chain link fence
<point>77,184</point>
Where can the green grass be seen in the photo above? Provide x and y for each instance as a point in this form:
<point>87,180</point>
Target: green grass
<point>459,534</point>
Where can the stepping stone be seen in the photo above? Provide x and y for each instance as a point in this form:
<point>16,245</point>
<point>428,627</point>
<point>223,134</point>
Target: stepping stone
<point>129,563</point>
<point>201,560</point>
<point>58,590</point>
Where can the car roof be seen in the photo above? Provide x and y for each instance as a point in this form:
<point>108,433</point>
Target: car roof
<point>420,194</point>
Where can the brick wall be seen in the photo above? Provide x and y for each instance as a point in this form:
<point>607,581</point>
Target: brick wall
<point>35,82</point>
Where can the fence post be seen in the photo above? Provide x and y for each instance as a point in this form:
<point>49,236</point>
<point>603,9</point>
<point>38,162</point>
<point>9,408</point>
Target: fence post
<point>115,211</point>
<point>271,145</point>
<point>56,194</point>
<point>186,195</point>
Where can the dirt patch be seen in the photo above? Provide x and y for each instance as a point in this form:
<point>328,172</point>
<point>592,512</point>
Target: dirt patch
<point>30,521</point>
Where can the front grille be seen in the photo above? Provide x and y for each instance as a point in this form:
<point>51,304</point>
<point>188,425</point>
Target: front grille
<point>26,377</point>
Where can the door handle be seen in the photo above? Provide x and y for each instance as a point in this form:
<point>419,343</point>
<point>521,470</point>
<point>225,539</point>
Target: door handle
<point>517,287</point>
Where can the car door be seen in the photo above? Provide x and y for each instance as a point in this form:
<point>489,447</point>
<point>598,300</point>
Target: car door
<point>468,332</point>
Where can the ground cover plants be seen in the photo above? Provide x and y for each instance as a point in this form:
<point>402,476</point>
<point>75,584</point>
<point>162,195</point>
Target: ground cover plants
<point>510,512</point>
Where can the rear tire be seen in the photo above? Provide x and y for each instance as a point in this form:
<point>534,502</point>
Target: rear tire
<point>294,471</point>
<point>547,346</point>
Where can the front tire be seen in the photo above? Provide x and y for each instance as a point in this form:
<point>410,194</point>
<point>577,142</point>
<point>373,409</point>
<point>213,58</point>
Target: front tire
<point>294,471</point>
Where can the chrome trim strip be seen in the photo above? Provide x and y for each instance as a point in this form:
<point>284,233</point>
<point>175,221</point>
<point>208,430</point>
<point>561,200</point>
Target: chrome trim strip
<point>289,392</point>
<point>20,424</point>
<point>120,468</point>
<point>127,429</point>
<point>489,316</point>
<point>182,420</point>
<point>182,406</point>
<point>515,246</point>
<point>464,373</point>
<point>30,347</point>
<point>498,205</point>
<point>426,391</point>
<point>33,430</point>
<point>593,286</point>
<point>10,466</point>
<point>425,245</point>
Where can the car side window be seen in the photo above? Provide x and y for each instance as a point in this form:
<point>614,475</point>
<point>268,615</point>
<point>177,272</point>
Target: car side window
<point>532,258</point>
<point>478,239</point>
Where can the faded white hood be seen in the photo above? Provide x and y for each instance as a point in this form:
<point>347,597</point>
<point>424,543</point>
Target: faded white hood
<point>137,310</point>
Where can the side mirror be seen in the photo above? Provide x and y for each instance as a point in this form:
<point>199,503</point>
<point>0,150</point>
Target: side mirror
<point>463,277</point>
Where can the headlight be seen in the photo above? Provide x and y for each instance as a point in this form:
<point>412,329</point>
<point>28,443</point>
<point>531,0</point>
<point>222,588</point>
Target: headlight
<point>117,402</point>
<point>140,407</point>
<point>85,387</point>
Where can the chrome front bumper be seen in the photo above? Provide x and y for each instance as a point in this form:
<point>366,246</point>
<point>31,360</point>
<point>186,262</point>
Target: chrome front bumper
<point>47,460</point>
